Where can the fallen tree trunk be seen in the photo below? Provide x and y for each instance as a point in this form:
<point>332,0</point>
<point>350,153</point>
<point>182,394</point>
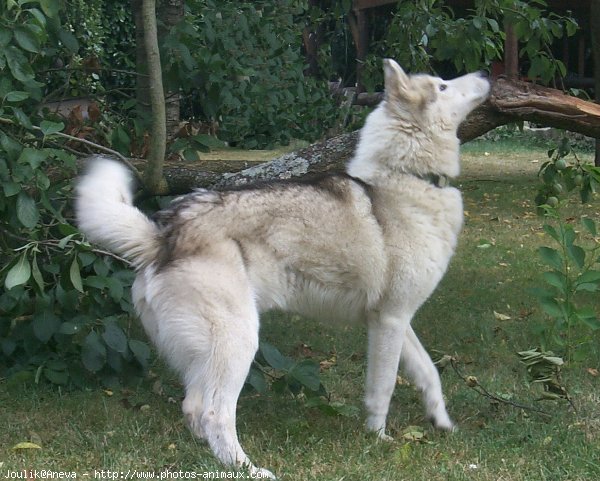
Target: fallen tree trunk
<point>543,105</point>
<point>510,101</point>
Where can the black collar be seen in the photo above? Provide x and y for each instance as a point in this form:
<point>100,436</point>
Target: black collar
<point>437,180</point>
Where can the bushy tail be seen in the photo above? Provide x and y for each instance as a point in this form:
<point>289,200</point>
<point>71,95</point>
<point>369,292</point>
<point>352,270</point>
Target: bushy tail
<point>106,215</point>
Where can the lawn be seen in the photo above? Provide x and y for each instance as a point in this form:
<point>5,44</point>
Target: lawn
<point>482,314</point>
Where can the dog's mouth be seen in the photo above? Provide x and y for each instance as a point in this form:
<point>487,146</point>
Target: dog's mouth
<point>483,76</point>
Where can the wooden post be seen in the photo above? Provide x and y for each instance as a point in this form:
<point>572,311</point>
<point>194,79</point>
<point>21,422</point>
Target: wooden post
<point>581,56</point>
<point>511,51</point>
<point>363,37</point>
<point>357,20</point>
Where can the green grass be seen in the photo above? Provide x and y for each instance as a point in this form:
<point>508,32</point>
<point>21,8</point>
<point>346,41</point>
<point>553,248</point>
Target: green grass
<point>142,428</point>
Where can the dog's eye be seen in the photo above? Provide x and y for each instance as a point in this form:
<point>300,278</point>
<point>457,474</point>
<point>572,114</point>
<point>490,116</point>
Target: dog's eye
<point>443,87</point>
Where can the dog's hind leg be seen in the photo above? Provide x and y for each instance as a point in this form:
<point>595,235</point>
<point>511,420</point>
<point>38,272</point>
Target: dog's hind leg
<point>209,333</point>
<point>213,384</point>
<point>419,367</point>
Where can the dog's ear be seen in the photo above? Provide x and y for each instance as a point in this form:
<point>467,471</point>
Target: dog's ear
<point>397,83</point>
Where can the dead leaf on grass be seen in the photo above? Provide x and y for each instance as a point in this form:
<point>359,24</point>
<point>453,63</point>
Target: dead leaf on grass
<point>26,445</point>
<point>413,433</point>
<point>327,363</point>
<point>501,317</point>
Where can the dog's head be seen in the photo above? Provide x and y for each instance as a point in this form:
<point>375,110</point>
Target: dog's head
<point>413,131</point>
<point>431,102</point>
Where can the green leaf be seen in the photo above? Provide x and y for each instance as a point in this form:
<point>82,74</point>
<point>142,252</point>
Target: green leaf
<point>115,288</point>
<point>556,279</point>
<point>16,96</point>
<point>45,324</point>
<point>569,235</point>
<point>37,274</point>
<point>19,274</point>
<point>307,373</point>
<point>38,15</point>
<point>75,275</point>
<point>274,358</point>
<point>97,282</point>
<point>33,157</point>
<point>56,377</point>
<point>68,328</point>
<point>65,240</point>
<point>551,231</point>
<point>493,25</point>
<point>22,117</point>
<point>10,145</point>
<point>589,287</point>
<point>592,323</point>
<point>93,352</point>
<point>86,258</point>
<point>191,155</point>
<point>590,225</point>
<point>18,64</point>
<point>27,211</point>
<point>590,276</point>
<point>5,36</point>
<point>8,346</point>
<point>208,141</point>
<point>552,307</point>
<point>101,268</point>
<point>115,338</point>
<point>50,7</point>
<point>49,128</point>
<point>256,379</point>
<point>551,257</point>
<point>26,39</point>
<point>346,410</point>
<point>577,254</point>
<point>11,188</point>
<point>140,351</point>
<point>68,40</point>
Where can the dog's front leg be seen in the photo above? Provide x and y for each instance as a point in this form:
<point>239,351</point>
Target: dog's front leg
<point>386,336</point>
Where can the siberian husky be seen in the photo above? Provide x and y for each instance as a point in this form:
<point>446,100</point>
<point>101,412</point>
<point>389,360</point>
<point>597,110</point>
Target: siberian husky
<point>370,244</point>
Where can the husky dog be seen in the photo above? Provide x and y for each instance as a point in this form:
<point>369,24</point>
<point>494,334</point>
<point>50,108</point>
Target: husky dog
<point>370,245</point>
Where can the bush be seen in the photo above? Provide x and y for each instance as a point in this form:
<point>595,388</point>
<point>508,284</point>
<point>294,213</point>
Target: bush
<point>572,260</point>
<point>241,64</point>
<point>62,301</point>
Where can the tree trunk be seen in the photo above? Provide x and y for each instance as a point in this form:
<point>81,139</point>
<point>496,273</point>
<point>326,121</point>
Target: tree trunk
<point>595,32</point>
<point>519,100</point>
<point>142,86</point>
<point>170,13</point>
<point>153,173</point>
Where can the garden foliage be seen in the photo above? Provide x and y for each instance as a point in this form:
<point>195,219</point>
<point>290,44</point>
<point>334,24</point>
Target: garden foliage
<point>573,259</point>
<point>437,37</point>
<point>62,301</point>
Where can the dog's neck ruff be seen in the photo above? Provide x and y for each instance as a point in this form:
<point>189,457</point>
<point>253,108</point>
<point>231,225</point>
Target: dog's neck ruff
<point>437,180</point>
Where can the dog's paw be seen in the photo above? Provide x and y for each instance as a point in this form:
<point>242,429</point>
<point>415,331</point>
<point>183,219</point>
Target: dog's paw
<point>444,424</point>
<point>386,438</point>
<point>260,473</point>
<point>380,433</point>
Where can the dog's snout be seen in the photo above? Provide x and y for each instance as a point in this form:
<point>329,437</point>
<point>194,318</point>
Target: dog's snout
<point>483,74</point>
